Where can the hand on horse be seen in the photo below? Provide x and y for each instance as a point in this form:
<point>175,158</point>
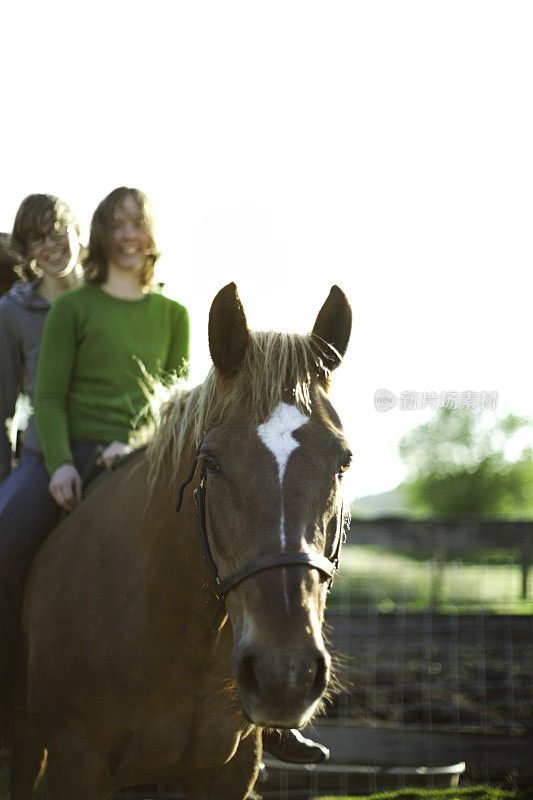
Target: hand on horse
<point>111,453</point>
<point>65,486</point>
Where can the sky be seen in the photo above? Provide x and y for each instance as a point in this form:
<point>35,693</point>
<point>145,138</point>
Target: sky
<point>383,146</point>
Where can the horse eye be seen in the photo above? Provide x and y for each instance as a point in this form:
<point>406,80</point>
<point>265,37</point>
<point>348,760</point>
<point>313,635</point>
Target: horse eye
<point>211,465</point>
<point>345,463</point>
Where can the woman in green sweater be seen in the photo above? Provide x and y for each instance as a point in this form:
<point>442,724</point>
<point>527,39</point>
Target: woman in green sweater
<point>99,341</point>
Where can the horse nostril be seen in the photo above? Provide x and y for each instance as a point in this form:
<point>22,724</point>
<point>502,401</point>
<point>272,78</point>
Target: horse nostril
<point>321,678</point>
<point>248,679</point>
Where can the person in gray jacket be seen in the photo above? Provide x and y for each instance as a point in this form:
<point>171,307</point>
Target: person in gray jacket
<point>47,235</point>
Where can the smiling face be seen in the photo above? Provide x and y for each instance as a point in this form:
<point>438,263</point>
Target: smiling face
<point>129,240</point>
<point>47,234</point>
<point>122,238</point>
<point>52,245</point>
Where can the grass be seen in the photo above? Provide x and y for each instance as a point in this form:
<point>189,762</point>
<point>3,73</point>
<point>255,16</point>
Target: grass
<point>463,793</point>
<point>467,793</point>
<point>372,575</point>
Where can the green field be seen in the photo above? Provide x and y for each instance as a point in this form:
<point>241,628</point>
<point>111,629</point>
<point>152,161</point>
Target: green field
<point>471,793</point>
<point>389,581</point>
<point>462,793</point>
<point>468,793</point>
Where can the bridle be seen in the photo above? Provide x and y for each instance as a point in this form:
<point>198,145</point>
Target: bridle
<point>326,566</point>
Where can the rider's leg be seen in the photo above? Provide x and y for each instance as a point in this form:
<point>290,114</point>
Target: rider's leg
<point>27,515</point>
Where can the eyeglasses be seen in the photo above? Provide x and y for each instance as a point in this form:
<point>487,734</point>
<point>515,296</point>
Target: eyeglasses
<point>35,241</point>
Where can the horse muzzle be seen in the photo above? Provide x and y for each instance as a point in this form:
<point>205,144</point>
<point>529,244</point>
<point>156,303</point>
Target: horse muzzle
<point>280,689</point>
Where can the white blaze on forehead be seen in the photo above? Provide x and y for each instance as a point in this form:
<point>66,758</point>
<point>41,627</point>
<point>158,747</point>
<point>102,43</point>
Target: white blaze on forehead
<point>276,433</point>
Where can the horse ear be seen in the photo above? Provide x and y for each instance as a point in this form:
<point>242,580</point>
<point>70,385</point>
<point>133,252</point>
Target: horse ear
<point>334,324</point>
<point>228,331</point>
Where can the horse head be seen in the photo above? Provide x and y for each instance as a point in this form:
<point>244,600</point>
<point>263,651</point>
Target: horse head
<point>272,459</point>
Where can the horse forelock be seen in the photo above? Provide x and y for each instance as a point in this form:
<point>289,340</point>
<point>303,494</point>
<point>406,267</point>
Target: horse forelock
<point>276,366</point>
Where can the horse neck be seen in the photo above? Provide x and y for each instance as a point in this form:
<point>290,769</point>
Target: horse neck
<point>177,575</point>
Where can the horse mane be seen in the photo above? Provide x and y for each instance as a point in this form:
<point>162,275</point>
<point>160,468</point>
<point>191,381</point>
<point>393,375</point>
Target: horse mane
<point>275,366</point>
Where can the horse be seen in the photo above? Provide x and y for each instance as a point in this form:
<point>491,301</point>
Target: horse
<point>157,645</point>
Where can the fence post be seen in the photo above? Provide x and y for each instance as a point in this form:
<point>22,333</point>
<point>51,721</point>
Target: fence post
<point>440,557</point>
<point>525,563</point>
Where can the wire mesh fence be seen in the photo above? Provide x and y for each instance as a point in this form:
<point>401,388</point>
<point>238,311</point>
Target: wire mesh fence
<point>432,623</point>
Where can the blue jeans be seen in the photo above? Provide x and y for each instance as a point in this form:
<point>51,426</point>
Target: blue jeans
<point>28,513</point>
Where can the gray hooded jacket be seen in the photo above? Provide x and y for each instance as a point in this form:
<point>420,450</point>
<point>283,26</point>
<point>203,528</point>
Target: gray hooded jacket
<point>22,316</point>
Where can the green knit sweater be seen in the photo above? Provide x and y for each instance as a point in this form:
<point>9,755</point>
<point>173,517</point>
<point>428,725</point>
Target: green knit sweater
<point>88,376</point>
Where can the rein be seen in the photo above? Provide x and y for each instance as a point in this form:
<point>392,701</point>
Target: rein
<point>326,566</point>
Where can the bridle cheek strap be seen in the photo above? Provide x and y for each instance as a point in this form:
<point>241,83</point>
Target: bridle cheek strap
<point>326,566</point>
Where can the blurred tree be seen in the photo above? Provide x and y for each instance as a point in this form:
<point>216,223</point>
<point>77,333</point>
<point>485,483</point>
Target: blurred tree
<point>460,462</point>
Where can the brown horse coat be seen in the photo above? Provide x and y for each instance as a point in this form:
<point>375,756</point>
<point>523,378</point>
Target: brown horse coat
<point>131,671</point>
